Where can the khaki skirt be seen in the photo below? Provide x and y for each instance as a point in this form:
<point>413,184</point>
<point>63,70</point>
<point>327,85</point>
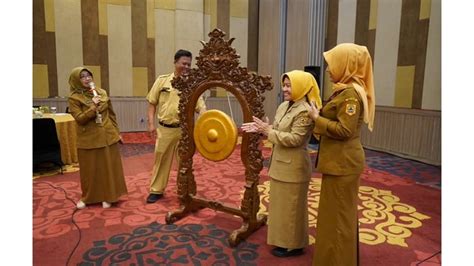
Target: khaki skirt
<point>101,174</point>
<point>337,225</point>
<point>288,215</point>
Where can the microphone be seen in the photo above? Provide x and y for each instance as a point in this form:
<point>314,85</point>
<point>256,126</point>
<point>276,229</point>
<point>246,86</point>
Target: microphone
<point>92,86</point>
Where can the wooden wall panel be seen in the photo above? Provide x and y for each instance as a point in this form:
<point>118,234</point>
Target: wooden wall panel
<point>253,32</point>
<point>421,40</point>
<point>362,22</point>
<point>90,32</point>
<point>139,33</point>
<point>104,62</point>
<point>408,30</point>
<point>44,48</point>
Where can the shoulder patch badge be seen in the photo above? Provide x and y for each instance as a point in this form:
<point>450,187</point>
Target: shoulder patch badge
<point>351,109</point>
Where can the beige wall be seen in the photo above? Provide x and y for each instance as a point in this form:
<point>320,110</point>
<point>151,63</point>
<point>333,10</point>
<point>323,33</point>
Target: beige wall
<point>297,35</point>
<point>269,51</point>
<point>432,83</point>
<point>387,39</point>
<point>68,41</point>
<point>120,50</point>
<point>404,39</point>
<point>346,21</point>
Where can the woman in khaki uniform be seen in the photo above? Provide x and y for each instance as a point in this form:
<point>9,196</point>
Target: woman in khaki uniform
<point>100,164</point>
<point>341,157</point>
<point>290,167</point>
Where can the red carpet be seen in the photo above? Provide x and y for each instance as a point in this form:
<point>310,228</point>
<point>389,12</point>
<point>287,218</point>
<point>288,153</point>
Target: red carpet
<point>400,221</point>
<point>137,137</point>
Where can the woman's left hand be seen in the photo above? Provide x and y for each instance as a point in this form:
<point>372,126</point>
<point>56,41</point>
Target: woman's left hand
<point>120,139</point>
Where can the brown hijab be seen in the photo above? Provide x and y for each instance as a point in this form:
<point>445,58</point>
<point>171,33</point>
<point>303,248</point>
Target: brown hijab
<point>77,87</point>
<point>75,80</point>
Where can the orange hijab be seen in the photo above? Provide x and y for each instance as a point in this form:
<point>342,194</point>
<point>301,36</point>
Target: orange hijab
<point>351,65</point>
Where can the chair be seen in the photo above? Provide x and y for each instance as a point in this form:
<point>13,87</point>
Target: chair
<point>46,147</point>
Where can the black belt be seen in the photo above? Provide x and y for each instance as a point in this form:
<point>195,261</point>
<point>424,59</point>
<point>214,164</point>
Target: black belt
<point>169,125</point>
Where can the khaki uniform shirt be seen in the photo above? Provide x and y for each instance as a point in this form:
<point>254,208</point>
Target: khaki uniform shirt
<point>290,135</point>
<point>339,123</point>
<point>166,98</point>
<point>91,135</point>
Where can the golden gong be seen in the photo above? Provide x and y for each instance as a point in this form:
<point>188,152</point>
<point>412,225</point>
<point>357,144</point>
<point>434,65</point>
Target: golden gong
<point>215,135</point>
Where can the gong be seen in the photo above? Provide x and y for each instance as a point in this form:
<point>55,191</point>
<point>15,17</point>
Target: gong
<point>215,135</point>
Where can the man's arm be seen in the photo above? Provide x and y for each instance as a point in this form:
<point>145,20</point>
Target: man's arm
<point>151,119</point>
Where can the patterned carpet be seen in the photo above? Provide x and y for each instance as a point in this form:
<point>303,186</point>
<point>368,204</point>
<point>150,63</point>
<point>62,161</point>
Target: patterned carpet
<point>400,220</point>
<point>421,173</point>
<point>158,244</point>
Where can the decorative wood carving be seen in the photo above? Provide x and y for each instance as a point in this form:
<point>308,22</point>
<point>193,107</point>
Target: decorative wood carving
<point>218,66</point>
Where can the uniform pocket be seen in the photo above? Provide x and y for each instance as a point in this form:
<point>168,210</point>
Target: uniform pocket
<point>283,159</point>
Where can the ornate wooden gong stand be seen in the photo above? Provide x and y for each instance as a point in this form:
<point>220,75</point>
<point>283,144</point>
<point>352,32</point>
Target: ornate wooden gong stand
<point>218,66</point>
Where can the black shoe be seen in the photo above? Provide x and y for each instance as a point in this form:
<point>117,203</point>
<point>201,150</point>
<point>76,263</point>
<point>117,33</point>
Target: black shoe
<point>152,198</point>
<point>283,252</point>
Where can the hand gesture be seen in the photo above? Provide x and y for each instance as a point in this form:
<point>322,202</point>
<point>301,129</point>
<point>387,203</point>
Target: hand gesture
<point>263,127</point>
<point>249,127</point>
<point>313,111</point>
<point>257,126</point>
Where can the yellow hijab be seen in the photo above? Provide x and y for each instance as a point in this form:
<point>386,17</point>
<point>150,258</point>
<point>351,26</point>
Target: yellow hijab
<point>351,65</point>
<point>303,83</point>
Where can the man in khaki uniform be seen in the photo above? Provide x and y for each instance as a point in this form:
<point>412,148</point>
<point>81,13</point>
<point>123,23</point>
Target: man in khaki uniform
<point>163,101</point>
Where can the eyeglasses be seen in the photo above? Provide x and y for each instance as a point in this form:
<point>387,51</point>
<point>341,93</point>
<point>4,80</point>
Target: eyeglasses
<point>85,77</point>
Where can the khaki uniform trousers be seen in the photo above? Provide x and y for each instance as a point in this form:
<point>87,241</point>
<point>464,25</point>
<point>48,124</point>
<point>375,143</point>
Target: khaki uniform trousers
<point>165,150</point>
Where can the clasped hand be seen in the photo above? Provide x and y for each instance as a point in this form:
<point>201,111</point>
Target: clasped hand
<point>257,126</point>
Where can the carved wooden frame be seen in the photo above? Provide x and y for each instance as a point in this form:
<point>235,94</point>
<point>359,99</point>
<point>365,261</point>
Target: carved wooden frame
<point>218,66</point>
